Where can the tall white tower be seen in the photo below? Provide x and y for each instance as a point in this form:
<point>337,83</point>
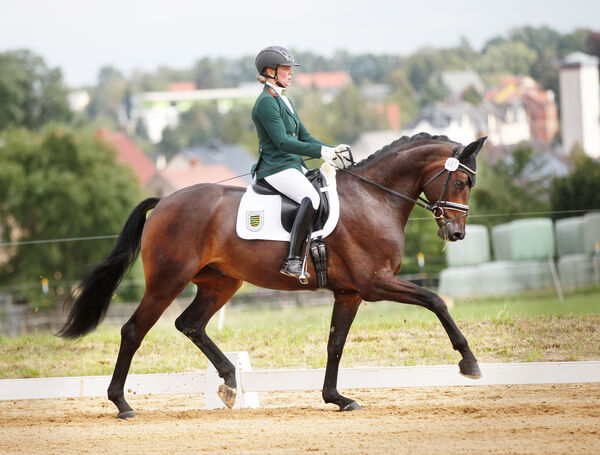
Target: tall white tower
<point>580,103</point>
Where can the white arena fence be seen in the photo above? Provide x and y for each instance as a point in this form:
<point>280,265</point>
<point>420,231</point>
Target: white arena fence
<point>251,382</point>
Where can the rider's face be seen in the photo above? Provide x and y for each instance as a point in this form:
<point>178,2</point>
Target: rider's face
<point>284,75</point>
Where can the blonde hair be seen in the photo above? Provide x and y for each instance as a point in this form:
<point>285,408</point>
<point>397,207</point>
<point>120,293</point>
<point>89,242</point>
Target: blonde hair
<point>260,78</point>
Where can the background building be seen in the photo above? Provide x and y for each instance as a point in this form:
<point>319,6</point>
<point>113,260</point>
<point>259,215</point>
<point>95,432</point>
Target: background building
<point>580,103</point>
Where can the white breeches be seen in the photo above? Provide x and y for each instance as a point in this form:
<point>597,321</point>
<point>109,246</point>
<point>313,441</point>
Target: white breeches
<point>294,185</point>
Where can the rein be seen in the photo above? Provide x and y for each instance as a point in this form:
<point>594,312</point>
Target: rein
<point>437,209</point>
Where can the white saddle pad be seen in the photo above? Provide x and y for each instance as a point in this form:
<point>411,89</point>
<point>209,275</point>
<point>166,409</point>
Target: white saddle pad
<point>259,215</point>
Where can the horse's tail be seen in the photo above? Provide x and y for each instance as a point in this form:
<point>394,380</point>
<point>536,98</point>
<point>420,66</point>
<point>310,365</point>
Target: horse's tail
<point>97,288</point>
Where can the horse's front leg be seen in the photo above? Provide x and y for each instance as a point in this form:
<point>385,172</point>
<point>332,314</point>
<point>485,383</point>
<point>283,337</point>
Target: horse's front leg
<point>344,311</point>
<point>389,287</point>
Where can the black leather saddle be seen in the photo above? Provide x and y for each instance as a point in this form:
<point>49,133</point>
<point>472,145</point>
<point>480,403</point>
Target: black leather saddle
<point>289,208</point>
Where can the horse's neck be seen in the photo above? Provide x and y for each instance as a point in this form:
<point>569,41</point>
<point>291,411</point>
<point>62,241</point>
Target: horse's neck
<point>402,171</point>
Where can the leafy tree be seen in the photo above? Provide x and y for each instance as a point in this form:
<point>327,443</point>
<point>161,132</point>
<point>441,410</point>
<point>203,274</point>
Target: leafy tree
<point>315,115</point>
<point>472,95</point>
<point>201,123</point>
<point>352,116</point>
<point>512,185</point>
<point>573,42</point>
<point>238,127</point>
<point>420,236</point>
<point>109,95</point>
<point>31,94</point>
<point>170,144</point>
<point>511,57</point>
<point>406,97</point>
<point>580,190</point>
<point>592,44</point>
<point>58,184</point>
<point>424,70</point>
<point>207,74</point>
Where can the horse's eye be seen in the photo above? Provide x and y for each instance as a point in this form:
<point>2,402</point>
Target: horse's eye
<point>459,184</point>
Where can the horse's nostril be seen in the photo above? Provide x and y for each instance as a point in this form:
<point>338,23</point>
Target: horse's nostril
<point>458,236</point>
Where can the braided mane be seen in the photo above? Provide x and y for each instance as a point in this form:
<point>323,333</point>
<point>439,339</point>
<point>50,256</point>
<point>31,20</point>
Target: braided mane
<point>402,143</point>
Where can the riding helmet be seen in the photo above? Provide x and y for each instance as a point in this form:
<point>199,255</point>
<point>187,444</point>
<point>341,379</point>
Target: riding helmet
<point>272,57</point>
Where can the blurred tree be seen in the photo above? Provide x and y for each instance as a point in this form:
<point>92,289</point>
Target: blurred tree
<point>421,236</point>
<point>592,44</point>
<point>514,184</point>
<point>580,190</point>
<point>201,123</point>
<point>424,69</point>
<point>539,39</point>
<point>108,98</point>
<point>352,116</point>
<point>511,57</point>
<point>158,80</point>
<point>207,73</point>
<point>472,95</point>
<point>238,127</point>
<point>31,94</point>
<point>311,62</point>
<point>573,42</point>
<point>141,130</point>
<point>404,94</point>
<point>58,184</point>
<point>316,116</point>
<point>170,143</point>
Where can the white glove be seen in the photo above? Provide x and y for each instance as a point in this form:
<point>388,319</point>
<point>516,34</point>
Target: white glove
<point>343,153</point>
<point>328,154</point>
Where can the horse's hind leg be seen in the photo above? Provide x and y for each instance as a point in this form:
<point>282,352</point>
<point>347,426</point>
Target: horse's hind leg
<point>213,292</point>
<point>151,307</point>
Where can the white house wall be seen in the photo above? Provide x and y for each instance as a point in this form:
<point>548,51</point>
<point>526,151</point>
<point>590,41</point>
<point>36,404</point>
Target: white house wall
<point>580,108</point>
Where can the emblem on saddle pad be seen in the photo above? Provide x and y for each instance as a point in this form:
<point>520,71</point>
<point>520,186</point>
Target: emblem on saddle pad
<point>255,220</point>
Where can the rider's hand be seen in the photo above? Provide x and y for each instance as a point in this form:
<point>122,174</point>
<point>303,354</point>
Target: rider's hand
<point>342,152</point>
<point>342,148</point>
<point>328,154</point>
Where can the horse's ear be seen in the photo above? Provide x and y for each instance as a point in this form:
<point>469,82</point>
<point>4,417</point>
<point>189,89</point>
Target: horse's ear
<point>467,158</point>
<point>471,150</point>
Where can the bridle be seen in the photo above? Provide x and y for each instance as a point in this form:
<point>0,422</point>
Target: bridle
<point>437,209</point>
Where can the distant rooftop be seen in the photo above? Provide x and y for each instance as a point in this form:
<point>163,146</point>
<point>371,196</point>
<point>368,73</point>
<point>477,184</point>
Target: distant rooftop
<point>458,81</point>
<point>325,80</point>
<point>233,156</point>
<point>129,154</point>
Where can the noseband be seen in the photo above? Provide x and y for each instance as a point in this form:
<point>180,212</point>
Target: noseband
<point>437,209</point>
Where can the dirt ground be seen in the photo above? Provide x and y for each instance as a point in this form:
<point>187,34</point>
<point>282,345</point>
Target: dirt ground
<point>531,419</point>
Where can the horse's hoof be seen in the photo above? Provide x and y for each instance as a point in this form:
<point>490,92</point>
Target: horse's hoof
<point>469,369</point>
<point>227,395</point>
<point>352,406</point>
<point>125,415</point>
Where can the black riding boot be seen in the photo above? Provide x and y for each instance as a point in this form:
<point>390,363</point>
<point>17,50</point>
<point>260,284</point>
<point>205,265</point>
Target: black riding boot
<point>292,266</point>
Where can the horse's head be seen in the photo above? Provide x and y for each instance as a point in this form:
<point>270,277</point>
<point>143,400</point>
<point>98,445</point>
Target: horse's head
<point>448,189</point>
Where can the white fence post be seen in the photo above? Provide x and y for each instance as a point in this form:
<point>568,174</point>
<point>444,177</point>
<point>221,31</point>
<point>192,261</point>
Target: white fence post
<point>557,284</point>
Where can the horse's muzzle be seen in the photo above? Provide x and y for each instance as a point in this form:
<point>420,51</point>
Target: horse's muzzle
<point>451,233</point>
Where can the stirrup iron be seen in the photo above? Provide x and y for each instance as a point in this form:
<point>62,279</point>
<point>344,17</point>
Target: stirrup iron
<point>303,278</point>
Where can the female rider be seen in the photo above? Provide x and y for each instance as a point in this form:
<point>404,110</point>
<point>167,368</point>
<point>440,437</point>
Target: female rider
<point>282,141</point>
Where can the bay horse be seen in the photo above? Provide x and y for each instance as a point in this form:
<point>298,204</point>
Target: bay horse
<point>190,236</point>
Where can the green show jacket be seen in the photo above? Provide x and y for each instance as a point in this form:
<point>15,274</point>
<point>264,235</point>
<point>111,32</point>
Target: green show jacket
<point>282,138</point>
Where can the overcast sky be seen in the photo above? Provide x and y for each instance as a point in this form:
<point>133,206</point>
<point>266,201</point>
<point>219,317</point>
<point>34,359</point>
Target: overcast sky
<point>80,36</point>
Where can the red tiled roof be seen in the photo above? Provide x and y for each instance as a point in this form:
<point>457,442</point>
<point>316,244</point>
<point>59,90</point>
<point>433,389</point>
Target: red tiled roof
<point>323,80</point>
<point>182,86</point>
<point>198,173</point>
<point>128,153</point>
